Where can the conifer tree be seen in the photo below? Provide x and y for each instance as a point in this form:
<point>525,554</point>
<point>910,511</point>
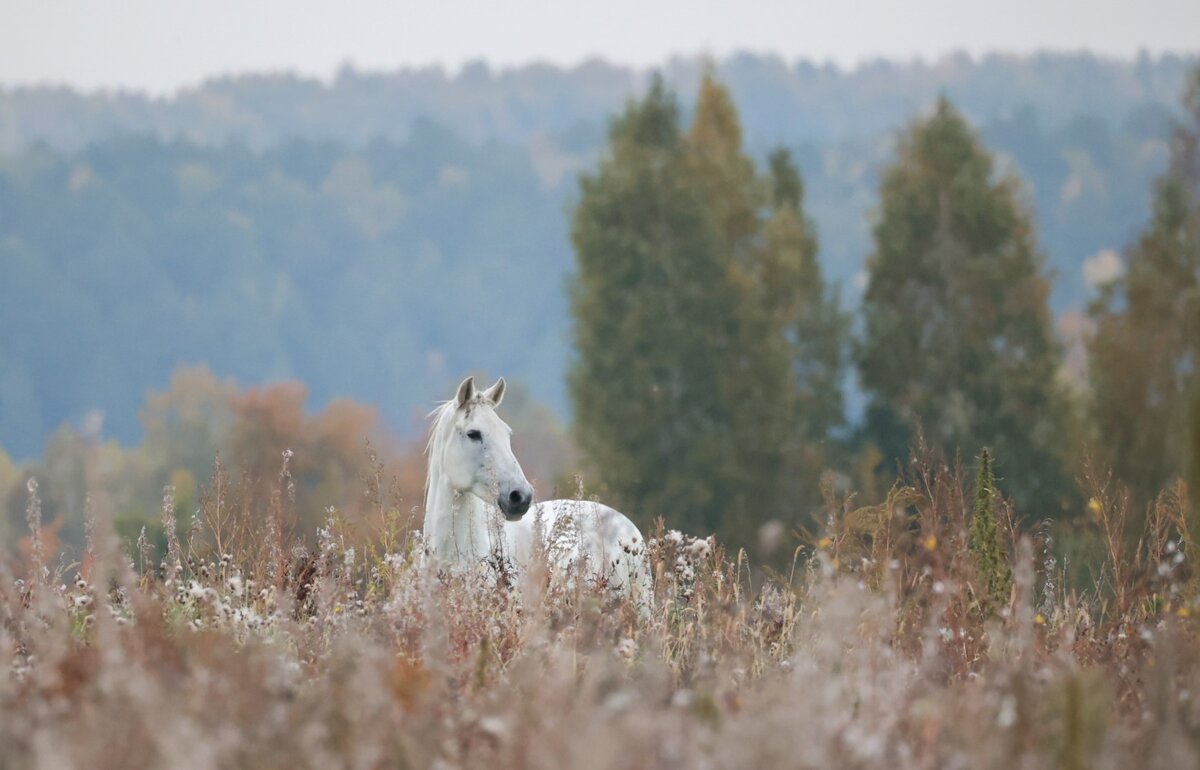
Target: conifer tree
<point>694,312</point>
<point>1145,354</point>
<point>755,380</point>
<point>957,332</point>
<point>653,326</point>
<point>723,173</point>
<point>807,310</point>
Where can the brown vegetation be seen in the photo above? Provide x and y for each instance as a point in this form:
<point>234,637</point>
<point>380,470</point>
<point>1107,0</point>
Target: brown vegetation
<point>876,650</point>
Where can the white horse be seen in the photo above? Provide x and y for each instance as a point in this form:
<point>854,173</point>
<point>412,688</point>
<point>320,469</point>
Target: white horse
<point>473,478</point>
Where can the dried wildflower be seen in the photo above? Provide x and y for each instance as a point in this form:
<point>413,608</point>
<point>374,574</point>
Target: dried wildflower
<point>698,550</point>
<point>33,519</point>
<point>1007,715</point>
<point>494,727</point>
<point>174,557</point>
<point>627,649</point>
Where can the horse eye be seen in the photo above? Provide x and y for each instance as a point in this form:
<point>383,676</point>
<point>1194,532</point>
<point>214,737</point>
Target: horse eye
<point>474,435</point>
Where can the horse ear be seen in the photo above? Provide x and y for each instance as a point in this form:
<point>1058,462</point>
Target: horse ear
<point>495,394</point>
<point>466,392</point>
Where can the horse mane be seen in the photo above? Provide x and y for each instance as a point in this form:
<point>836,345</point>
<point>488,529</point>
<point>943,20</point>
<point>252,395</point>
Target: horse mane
<point>439,434</point>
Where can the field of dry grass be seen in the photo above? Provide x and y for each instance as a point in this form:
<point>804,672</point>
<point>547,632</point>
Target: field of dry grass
<point>242,647</point>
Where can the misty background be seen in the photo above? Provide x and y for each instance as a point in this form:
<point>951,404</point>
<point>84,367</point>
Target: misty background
<point>378,234</point>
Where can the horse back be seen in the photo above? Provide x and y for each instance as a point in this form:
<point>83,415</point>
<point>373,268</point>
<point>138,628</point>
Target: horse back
<point>605,539</point>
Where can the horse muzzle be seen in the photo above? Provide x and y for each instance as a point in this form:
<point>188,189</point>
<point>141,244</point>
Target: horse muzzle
<point>515,504</point>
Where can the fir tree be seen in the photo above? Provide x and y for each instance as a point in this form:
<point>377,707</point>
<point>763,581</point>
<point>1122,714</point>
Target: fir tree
<point>722,172</point>
<point>1145,352</point>
<point>957,332</point>
<point>795,293</point>
<point>755,380</point>
<point>653,326</point>
<point>702,378</point>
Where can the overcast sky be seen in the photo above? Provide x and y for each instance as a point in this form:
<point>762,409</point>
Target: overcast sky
<point>160,45</point>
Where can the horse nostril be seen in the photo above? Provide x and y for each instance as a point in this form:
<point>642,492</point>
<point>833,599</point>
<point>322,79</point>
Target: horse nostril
<point>515,497</point>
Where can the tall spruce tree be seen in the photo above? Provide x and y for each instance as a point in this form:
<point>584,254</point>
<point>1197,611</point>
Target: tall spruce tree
<point>1145,354</point>
<point>694,312</point>
<point>797,297</point>
<point>957,334</point>
<point>654,326</point>
<point>722,172</point>
<point>755,379</point>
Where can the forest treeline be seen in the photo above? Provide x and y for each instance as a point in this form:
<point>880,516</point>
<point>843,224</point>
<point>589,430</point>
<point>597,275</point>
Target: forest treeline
<point>378,275</point>
<point>801,101</point>
<point>377,235</point>
<point>710,347</point>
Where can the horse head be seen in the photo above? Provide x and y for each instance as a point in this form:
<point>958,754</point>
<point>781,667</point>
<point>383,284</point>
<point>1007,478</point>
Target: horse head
<point>476,451</point>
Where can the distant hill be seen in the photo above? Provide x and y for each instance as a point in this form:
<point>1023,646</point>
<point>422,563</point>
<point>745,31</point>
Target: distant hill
<point>379,235</point>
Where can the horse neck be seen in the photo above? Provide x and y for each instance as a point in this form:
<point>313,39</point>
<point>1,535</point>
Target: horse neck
<point>456,523</point>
